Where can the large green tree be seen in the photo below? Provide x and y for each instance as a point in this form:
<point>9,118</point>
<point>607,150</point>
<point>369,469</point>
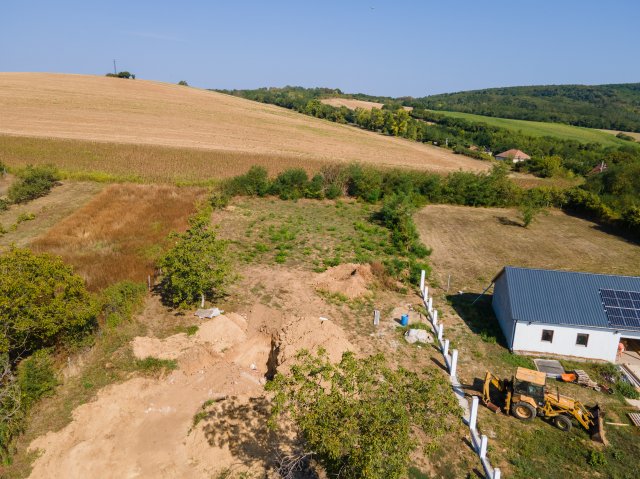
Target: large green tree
<point>41,302</point>
<point>197,265</point>
<point>359,418</point>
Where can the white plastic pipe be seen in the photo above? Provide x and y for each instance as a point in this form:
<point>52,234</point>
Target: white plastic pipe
<point>454,362</point>
<point>422,278</point>
<point>496,473</point>
<point>483,446</point>
<point>445,348</point>
<point>435,317</point>
<point>430,304</point>
<point>473,419</point>
<point>440,332</point>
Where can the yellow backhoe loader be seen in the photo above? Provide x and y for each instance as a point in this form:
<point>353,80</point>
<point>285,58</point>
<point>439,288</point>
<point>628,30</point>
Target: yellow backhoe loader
<point>525,396</point>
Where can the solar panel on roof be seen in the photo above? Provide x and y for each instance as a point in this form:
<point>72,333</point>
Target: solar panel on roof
<point>621,307</point>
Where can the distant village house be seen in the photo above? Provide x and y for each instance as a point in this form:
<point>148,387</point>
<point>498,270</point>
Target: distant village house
<point>513,155</point>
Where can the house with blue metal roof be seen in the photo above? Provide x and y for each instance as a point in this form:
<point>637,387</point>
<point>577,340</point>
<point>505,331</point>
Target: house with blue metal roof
<point>580,315</point>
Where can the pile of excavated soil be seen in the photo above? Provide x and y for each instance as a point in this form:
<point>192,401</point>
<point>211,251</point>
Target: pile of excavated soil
<point>310,334</point>
<point>218,334</point>
<point>144,427</point>
<point>352,280</point>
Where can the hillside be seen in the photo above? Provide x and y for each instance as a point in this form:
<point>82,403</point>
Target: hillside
<point>614,107</point>
<point>527,127</point>
<point>137,112</point>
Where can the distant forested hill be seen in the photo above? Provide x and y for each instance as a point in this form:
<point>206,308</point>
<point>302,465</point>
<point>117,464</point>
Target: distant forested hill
<point>613,107</point>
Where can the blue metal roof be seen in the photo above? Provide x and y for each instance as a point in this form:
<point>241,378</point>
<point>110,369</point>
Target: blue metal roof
<point>562,297</point>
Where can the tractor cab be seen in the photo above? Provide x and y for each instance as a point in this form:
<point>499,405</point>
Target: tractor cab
<point>529,386</point>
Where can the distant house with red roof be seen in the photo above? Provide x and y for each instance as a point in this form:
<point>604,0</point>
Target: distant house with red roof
<point>513,155</point>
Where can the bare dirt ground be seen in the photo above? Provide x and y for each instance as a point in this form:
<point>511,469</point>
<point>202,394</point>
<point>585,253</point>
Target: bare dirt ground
<point>144,427</point>
<point>353,104</point>
<point>474,244</point>
<point>146,112</point>
<point>208,417</point>
<point>49,210</point>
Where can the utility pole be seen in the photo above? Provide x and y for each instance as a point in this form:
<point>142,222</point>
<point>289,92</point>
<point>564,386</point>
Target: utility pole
<point>114,67</point>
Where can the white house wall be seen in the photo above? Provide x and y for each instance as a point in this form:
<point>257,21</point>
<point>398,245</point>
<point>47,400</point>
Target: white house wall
<point>602,344</point>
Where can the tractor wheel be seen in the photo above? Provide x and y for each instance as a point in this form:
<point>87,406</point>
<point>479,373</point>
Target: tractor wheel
<point>523,411</point>
<point>563,423</point>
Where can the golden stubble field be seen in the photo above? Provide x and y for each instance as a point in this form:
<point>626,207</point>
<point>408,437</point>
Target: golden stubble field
<point>352,104</point>
<point>474,244</point>
<point>140,112</point>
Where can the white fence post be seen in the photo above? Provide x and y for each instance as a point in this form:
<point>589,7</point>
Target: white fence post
<point>474,413</point>
<point>376,317</point>
<point>454,362</point>
<point>425,292</point>
<point>496,473</point>
<point>422,277</point>
<point>430,304</point>
<point>435,317</point>
<point>483,446</point>
<point>440,332</point>
<point>445,348</point>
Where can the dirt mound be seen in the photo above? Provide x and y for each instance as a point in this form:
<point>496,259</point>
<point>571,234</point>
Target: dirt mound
<point>217,334</point>
<point>310,334</point>
<point>352,280</point>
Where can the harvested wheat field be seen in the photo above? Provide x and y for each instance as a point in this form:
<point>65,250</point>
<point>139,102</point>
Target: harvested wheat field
<point>113,110</point>
<point>353,104</point>
<point>473,244</point>
<point>120,233</point>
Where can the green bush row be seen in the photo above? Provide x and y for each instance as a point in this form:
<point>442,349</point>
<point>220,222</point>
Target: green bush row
<point>33,182</point>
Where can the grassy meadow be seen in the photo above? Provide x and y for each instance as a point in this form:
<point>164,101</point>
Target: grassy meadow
<point>539,128</point>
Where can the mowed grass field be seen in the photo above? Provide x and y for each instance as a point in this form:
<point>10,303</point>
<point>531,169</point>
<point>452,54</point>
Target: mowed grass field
<point>473,244</point>
<point>539,128</point>
<point>188,121</point>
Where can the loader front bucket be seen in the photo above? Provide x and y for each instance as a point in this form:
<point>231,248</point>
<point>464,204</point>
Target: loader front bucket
<point>597,428</point>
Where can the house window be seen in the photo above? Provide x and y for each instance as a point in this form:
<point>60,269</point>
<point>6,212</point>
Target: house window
<point>547,335</point>
<point>582,340</point>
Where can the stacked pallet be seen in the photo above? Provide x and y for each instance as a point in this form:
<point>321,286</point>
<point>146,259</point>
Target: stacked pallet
<point>585,380</point>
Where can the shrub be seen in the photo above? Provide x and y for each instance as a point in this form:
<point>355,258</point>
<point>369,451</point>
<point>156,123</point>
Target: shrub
<point>42,302</point>
<point>121,300</point>
<point>33,182</point>
<point>397,215</point>
<point>597,459</point>
<point>365,183</point>
<point>627,390</point>
<point>4,204</point>
<point>183,83</point>
<point>36,378</point>
<point>253,183</point>
<point>291,184</point>
<point>196,266</point>
<point>359,418</point>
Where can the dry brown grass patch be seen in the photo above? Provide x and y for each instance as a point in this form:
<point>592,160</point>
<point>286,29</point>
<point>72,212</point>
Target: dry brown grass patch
<point>473,244</point>
<point>120,233</point>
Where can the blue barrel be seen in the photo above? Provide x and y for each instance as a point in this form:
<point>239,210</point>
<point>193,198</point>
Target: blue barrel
<point>404,319</point>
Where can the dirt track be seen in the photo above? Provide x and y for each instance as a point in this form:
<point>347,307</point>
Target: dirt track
<point>145,112</point>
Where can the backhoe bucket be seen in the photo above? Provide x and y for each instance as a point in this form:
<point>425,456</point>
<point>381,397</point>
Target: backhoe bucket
<point>597,428</point>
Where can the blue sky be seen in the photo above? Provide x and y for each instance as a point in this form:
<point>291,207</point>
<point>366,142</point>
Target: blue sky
<point>387,48</point>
